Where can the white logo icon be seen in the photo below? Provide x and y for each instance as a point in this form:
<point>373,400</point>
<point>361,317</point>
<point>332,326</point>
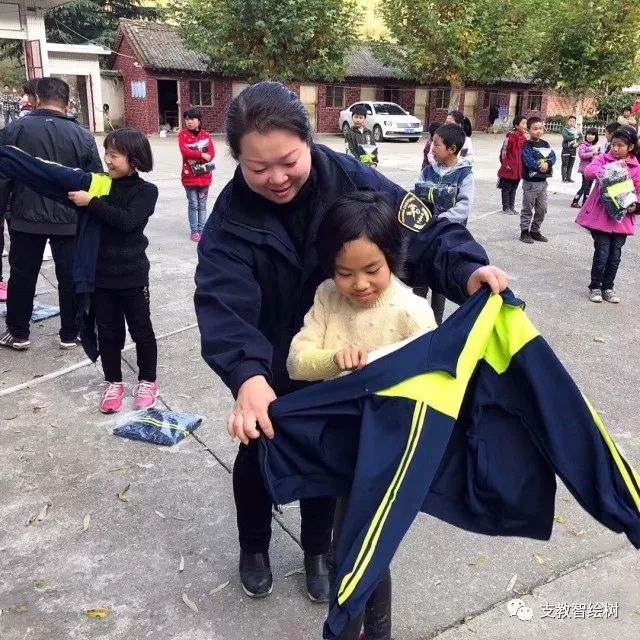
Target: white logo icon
<point>518,608</point>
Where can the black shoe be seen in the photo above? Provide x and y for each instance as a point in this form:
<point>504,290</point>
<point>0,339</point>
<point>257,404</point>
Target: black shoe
<point>255,574</point>
<point>525,236</point>
<point>536,235</point>
<point>317,571</point>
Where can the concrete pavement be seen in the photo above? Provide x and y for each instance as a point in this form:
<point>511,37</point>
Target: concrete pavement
<point>56,449</point>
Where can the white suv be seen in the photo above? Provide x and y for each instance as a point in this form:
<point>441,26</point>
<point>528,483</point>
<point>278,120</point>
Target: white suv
<point>386,120</point>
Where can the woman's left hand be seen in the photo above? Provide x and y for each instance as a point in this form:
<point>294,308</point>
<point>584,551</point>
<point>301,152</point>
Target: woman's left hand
<point>495,278</point>
<point>80,198</point>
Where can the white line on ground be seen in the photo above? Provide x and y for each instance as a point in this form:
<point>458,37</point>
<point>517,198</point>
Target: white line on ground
<point>79,365</point>
<point>484,215</point>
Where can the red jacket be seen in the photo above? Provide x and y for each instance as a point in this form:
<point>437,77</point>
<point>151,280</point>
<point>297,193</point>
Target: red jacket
<point>511,156</point>
<point>193,156</point>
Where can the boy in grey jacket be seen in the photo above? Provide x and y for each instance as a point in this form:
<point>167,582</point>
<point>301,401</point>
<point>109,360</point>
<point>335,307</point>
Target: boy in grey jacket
<point>447,187</point>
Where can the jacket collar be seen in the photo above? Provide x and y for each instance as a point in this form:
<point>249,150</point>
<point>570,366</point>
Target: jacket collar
<point>51,113</point>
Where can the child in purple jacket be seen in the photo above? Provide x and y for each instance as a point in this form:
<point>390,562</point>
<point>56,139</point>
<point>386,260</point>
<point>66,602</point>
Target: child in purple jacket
<point>587,151</point>
<point>609,234</point>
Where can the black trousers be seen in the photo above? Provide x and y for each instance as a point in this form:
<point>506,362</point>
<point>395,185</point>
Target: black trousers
<point>508,190</point>
<point>376,617</point>
<point>607,254</point>
<point>568,160</point>
<point>111,308</point>
<point>253,509</point>
<point>25,260</point>
<point>585,189</point>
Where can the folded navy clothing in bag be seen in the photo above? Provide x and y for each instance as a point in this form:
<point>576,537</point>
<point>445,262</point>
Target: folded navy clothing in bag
<point>158,426</point>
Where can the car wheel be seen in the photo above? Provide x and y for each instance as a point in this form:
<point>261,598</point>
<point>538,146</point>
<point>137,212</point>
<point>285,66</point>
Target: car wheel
<point>377,133</point>
<point>414,139</point>
<point>345,128</point>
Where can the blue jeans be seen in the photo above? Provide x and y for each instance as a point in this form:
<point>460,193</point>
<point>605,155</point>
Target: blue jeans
<point>606,258</point>
<point>197,207</point>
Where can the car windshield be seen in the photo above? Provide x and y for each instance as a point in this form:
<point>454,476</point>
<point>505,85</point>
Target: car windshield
<point>388,109</point>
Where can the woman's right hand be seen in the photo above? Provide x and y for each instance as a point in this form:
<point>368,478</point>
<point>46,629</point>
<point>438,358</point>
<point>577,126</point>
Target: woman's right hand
<point>251,409</point>
<point>206,157</point>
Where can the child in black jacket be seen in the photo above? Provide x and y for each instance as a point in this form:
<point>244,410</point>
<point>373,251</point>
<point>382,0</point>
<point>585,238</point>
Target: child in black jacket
<point>122,274</point>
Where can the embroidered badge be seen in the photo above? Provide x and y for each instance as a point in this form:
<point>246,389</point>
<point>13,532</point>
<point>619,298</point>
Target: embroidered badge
<point>413,213</point>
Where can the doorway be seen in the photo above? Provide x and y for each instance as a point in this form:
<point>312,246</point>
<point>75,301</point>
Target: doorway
<point>168,107</point>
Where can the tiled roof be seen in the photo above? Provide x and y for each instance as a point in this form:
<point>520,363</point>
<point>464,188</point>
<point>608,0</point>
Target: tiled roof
<point>159,46</point>
<point>362,63</point>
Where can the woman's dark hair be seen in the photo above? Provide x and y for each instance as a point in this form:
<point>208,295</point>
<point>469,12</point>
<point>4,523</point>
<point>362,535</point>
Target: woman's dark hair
<point>463,121</point>
<point>433,127</point>
<point>629,136</point>
<point>361,214</point>
<point>517,120</point>
<point>452,135</point>
<point>594,131</point>
<point>133,144</point>
<point>193,114</point>
<point>265,107</point>
<point>612,127</point>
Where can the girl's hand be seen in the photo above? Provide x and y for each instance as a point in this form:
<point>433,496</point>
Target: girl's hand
<point>80,198</point>
<point>251,409</point>
<point>206,157</point>
<point>496,278</point>
<point>544,167</point>
<point>351,358</point>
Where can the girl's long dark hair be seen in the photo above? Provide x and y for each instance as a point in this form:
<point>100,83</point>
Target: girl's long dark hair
<point>463,121</point>
<point>629,136</point>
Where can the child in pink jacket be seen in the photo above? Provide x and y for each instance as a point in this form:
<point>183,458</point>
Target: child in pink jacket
<point>608,234</point>
<point>587,151</point>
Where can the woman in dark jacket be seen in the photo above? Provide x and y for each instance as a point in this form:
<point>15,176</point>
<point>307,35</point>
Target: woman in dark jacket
<point>257,273</point>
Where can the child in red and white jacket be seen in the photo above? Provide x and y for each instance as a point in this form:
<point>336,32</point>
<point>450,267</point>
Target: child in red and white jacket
<point>510,171</point>
<point>198,151</point>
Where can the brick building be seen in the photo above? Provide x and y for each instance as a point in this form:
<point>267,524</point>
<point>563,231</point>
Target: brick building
<point>161,77</point>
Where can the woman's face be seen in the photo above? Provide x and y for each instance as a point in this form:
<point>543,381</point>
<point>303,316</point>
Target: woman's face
<point>276,164</point>
<point>450,119</point>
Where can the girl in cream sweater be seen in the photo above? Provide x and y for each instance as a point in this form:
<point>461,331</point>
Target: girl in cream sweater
<point>363,307</point>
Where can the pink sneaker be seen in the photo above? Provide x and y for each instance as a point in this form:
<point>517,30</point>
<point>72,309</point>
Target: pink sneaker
<point>146,395</point>
<point>112,397</point>
<point>196,237</point>
<point>3,291</point>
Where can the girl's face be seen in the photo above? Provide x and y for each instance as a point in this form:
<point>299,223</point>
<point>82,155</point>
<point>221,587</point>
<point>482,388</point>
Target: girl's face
<point>361,271</point>
<point>276,164</point>
<point>590,137</point>
<point>117,164</point>
<point>192,123</point>
<point>522,126</point>
<point>620,149</point>
<point>450,119</point>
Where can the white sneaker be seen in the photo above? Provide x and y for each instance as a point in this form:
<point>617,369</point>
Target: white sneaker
<point>609,295</point>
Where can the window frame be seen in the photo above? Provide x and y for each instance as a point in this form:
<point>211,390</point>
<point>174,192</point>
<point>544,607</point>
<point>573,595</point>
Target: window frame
<point>442,97</point>
<point>199,83</point>
<point>537,96</point>
<point>330,96</point>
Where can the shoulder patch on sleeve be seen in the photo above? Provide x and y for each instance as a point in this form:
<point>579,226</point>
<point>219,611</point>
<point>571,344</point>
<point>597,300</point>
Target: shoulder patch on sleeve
<point>413,213</point>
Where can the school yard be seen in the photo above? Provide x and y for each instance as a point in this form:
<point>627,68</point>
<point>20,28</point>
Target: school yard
<point>172,535</point>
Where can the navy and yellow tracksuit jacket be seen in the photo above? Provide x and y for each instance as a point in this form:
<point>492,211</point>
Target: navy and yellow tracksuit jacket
<point>470,423</point>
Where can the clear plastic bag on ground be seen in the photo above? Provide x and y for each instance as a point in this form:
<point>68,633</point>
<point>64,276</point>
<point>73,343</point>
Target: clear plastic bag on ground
<point>159,426</point>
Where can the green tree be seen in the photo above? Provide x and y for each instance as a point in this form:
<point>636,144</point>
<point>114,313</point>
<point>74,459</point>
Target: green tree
<point>588,47</point>
<point>459,41</point>
<point>278,39</point>
<point>95,21</point>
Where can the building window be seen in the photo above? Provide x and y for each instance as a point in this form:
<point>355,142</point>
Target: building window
<point>201,93</point>
<point>491,98</point>
<point>391,94</point>
<point>335,96</point>
<point>534,101</point>
<point>139,89</point>
<point>442,97</point>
